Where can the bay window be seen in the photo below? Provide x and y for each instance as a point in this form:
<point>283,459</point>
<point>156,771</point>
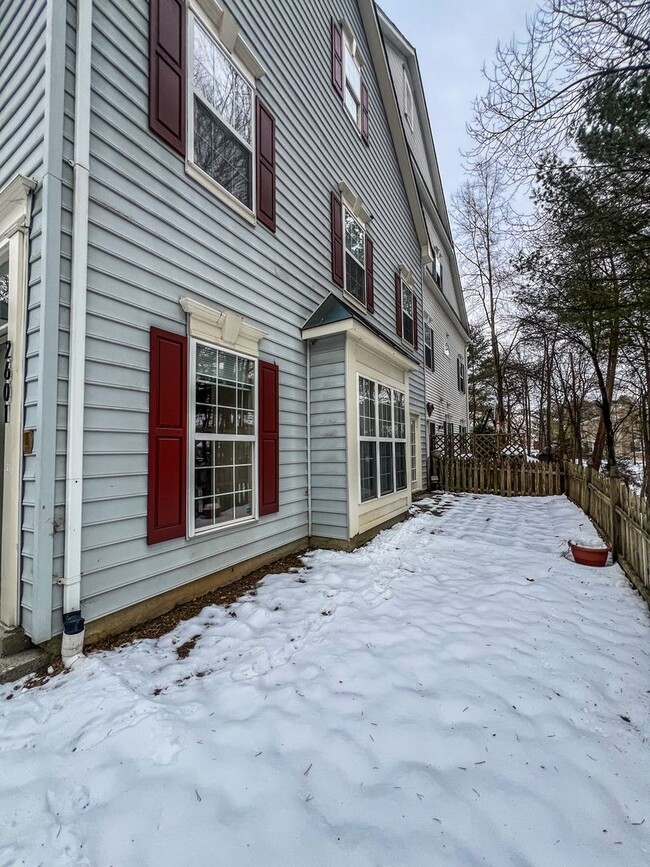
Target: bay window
<point>382,439</point>
<point>224,437</point>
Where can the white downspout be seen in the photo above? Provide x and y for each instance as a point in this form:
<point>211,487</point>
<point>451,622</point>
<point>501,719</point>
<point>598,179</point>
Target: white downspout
<point>309,516</point>
<point>73,623</point>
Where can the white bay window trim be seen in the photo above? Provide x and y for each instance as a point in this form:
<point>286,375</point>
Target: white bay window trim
<point>394,440</point>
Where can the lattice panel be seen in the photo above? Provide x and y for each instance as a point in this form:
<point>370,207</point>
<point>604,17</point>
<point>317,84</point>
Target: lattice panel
<point>480,447</point>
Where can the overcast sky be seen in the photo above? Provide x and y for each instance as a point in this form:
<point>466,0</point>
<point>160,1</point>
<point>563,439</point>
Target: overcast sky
<point>453,38</point>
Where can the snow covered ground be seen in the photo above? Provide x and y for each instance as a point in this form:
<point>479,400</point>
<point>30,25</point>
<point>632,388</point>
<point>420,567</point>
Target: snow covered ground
<point>457,693</point>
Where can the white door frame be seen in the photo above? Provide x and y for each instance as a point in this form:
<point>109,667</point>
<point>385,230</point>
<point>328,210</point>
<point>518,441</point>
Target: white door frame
<point>15,206</point>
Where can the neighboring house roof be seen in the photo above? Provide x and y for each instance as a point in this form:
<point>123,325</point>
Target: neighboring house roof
<point>429,193</point>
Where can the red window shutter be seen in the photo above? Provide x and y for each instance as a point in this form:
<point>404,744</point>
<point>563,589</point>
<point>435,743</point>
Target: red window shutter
<point>370,280</point>
<point>398,304</point>
<point>167,23</point>
<point>167,487</point>
<point>337,240</point>
<point>265,166</point>
<point>365,116</point>
<point>337,58</point>
<point>269,438</point>
<point>415,322</point>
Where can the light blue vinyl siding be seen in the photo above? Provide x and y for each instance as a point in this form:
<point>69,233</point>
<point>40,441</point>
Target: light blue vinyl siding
<point>156,235</point>
<point>329,472</point>
<point>22,88</point>
<point>23,123</point>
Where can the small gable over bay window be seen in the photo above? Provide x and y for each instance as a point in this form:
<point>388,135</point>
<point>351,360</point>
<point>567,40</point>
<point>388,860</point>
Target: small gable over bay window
<point>205,105</point>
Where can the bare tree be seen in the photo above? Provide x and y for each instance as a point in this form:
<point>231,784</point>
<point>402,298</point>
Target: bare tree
<point>538,88</point>
<point>484,217</point>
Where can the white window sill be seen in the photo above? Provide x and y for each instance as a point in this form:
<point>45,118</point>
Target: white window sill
<point>231,525</point>
<point>383,498</point>
<point>217,190</point>
<point>354,302</point>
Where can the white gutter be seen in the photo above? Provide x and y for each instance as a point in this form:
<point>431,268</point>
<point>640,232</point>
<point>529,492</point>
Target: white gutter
<point>73,624</point>
<point>309,505</point>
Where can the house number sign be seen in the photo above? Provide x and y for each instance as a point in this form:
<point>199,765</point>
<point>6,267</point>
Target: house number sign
<point>6,389</point>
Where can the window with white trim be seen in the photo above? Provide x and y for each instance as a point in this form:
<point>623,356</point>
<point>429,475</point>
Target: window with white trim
<point>223,456</point>
<point>355,256</point>
<point>460,368</point>
<point>382,439</point>
<point>220,117</point>
<point>408,318</point>
<point>435,268</point>
<point>408,100</point>
<point>352,78</point>
<point>429,357</point>
<point>414,448</point>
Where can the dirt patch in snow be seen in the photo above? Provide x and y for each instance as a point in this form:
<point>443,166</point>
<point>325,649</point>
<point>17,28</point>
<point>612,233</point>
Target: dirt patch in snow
<point>221,596</point>
<point>225,596</point>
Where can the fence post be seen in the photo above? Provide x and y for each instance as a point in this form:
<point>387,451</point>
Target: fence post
<point>614,495</point>
<point>587,494</point>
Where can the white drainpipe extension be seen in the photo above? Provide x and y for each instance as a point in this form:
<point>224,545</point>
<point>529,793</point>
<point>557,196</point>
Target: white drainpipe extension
<point>73,623</point>
<point>309,502</point>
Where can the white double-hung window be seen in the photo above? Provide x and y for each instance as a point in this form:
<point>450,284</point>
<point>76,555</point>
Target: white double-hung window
<point>408,316</point>
<point>355,256</point>
<point>382,439</point>
<point>221,117</point>
<point>352,72</point>
<point>224,428</point>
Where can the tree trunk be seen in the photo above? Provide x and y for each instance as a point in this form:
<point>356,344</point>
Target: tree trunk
<point>602,437</point>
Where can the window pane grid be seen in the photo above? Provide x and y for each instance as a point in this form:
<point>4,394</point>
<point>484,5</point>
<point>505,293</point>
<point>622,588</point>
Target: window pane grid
<point>222,115</point>
<point>382,439</point>
<point>224,447</point>
<point>355,257</point>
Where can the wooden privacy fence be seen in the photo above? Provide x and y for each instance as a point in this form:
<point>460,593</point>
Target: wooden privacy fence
<point>507,477</point>
<point>621,516</point>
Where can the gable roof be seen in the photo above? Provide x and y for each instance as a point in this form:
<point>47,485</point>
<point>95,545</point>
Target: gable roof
<point>428,191</point>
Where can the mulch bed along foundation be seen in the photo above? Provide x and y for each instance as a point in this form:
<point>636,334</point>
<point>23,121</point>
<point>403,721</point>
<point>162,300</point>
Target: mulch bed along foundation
<point>166,622</point>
